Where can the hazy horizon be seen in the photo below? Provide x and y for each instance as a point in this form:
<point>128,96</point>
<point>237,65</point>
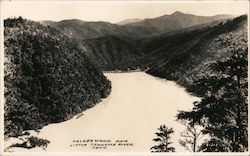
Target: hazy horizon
<point>115,11</point>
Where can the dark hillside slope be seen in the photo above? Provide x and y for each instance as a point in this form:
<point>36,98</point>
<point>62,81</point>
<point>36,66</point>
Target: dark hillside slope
<point>173,38</point>
<point>111,53</point>
<point>47,77</point>
<point>186,57</point>
<point>96,40</point>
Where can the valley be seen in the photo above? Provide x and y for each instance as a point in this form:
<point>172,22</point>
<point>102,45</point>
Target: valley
<point>126,79</point>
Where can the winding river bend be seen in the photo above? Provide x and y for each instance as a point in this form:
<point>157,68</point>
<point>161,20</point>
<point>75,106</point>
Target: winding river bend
<point>138,104</point>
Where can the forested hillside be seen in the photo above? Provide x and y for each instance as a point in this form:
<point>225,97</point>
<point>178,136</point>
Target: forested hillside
<point>47,77</point>
<point>112,53</point>
<point>186,56</point>
<point>103,43</point>
<point>211,63</point>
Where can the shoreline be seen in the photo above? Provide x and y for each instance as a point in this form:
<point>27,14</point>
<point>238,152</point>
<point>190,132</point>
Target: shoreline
<point>139,89</point>
<point>123,71</point>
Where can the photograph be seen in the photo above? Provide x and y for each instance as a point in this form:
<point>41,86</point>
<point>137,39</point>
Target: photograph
<point>124,77</point>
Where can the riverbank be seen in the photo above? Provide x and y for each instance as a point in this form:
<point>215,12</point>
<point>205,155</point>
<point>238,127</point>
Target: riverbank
<point>138,104</point>
<point>123,71</point>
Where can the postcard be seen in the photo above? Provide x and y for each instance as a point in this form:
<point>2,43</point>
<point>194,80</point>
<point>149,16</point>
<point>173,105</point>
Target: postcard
<point>124,77</point>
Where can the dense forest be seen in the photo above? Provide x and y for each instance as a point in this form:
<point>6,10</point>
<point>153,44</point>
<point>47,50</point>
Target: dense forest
<point>47,78</point>
<point>211,63</point>
<point>185,57</point>
<point>111,53</point>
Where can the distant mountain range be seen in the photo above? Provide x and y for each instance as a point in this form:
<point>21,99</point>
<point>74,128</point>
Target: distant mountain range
<point>129,21</point>
<point>135,28</point>
<point>167,23</point>
<point>119,46</point>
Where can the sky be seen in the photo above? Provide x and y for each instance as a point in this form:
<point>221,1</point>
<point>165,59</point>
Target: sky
<point>115,11</point>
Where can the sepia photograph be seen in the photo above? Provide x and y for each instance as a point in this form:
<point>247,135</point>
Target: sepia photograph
<point>124,77</point>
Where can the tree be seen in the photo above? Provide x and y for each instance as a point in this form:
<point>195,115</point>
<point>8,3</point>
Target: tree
<point>163,137</point>
<point>190,137</point>
<point>223,109</point>
<point>215,145</point>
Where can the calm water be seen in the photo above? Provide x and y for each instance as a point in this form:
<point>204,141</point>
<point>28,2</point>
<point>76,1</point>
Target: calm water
<point>138,105</point>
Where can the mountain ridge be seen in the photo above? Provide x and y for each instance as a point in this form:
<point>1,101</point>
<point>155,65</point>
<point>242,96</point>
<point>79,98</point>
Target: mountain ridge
<point>186,56</point>
<point>129,21</point>
<point>134,29</point>
<point>173,22</point>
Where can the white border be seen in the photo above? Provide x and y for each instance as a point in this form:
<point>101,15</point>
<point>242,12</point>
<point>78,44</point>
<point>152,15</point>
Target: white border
<point>1,82</point>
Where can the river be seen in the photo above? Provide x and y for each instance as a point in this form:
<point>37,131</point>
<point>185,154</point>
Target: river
<point>138,104</point>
